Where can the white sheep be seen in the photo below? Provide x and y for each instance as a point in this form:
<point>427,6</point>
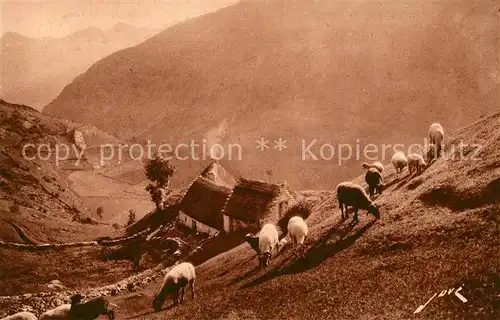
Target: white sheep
<point>23,315</point>
<point>268,242</point>
<point>59,313</point>
<point>297,230</point>
<point>351,194</point>
<point>377,165</point>
<point>417,162</point>
<point>436,136</point>
<point>174,283</point>
<point>399,161</point>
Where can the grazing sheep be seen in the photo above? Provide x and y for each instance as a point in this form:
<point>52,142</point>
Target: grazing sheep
<point>436,136</point>
<point>90,309</point>
<point>374,180</point>
<point>297,230</point>
<point>268,242</point>
<point>174,283</point>
<point>377,165</point>
<point>399,161</point>
<point>351,194</point>
<point>59,313</point>
<point>416,161</point>
<point>431,153</point>
<point>23,315</point>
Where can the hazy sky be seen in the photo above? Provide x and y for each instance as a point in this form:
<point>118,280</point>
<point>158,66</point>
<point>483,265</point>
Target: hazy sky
<point>58,18</point>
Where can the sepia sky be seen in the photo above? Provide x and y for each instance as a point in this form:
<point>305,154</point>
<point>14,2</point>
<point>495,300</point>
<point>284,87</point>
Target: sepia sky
<point>58,18</point>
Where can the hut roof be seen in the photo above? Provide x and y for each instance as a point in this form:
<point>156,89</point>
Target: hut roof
<point>250,199</point>
<point>207,195</point>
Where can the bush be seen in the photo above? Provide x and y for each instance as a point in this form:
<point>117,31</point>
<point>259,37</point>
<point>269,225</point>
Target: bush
<point>131,217</point>
<point>99,212</point>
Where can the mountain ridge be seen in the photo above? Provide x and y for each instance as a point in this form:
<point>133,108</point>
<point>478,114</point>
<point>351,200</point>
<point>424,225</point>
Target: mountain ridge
<point>336,72</point>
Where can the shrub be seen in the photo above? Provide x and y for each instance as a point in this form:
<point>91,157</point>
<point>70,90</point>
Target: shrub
<point>99,212</point>
<point>131,217</point>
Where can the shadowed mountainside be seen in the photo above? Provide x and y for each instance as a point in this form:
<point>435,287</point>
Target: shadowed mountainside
<point>338,72</point>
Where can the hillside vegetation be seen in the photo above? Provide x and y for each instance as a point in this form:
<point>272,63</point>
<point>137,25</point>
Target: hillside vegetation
<point>438,231</point>
<point>339,72</point>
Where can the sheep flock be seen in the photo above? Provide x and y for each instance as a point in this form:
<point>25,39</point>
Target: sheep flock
<point>265,243</point>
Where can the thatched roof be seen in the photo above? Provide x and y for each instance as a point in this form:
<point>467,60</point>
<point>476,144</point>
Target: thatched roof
<point>251,199</point>
<point>204,202</point>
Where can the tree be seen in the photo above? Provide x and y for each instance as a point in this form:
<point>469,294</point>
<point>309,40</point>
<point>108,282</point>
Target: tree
<point>99,212</point>
<point>270,173</point>
<point>131,217</point>
<point>159,171</point>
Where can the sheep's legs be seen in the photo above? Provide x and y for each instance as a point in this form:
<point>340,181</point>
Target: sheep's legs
<point>355,219</point>
<point>192,289</point>
<point>182,294</point>
<point>176,297</point>
<point>342,210</point>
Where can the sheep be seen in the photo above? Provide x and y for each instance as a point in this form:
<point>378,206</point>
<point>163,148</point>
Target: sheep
<point>416,161</point>
<point>90,309</point>
<point>431,153</point>
<point>268,242</point>
<point>374,180</point>
<point>23,315</point>
<point>377,165</point>
<point>351,194</point>
<point>297,230</point>
<point>59,313</point>
<point>436,136</point>
<point>174,283</point>
<point>399,161</point>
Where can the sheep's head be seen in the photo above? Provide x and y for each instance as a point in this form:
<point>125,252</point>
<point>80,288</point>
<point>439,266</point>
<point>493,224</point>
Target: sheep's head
<point>249,236</point>
<point>157,303</point>
<point>373,209</point>
<point>253,241</point>
<point>76,298</point>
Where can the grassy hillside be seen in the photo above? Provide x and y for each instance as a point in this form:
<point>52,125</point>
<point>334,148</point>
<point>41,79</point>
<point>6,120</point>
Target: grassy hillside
<point>438,231</point>
<point>339,72</point>
<point>43,199</point>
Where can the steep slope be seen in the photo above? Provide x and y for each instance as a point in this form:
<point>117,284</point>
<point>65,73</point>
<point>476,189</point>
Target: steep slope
<point>438,231</point>
<point>38,202</point>
<point>338,72</point>
<point>34,71</point>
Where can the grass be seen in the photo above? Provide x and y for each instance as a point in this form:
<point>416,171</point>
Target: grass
<point>377,269</point>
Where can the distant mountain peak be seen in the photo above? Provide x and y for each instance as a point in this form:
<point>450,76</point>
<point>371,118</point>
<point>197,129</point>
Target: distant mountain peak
<point>13,37</point>
<point>122,27</point>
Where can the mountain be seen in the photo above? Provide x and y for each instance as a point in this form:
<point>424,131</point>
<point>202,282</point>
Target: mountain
<point>436,242</point>
<point>331,72</point>
<point>35,70</point>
